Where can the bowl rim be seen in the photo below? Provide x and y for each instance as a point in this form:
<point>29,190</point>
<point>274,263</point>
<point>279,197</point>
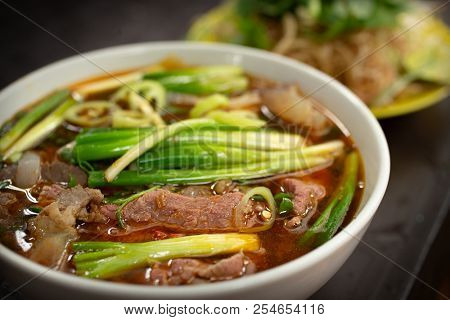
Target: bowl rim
<point>355,227</point>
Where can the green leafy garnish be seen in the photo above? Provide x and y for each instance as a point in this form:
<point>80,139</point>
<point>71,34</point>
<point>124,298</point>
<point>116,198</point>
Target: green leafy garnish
<point>430,60</point>
<point>245,21</point>
<point>226,24</point>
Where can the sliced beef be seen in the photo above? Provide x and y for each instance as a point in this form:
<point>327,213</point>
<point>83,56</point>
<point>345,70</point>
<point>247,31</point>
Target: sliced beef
<point>306,198</point>
<point>58,171</point>
<point>108,210</point>
<point>196,191</point>
<point>186,271</point>
<point>50,193</point>
<point>54,172</point>
<point>7,220</point>
<point>8,172</point>
<point>54,227</point>
<point>51,230</point>
<point>7,199</point>
<point>224,186</point>
<point>158,275</point>
<point>77,199</point>
<point>192,214</point>
<point>233,267</point>
<point>183,271</point>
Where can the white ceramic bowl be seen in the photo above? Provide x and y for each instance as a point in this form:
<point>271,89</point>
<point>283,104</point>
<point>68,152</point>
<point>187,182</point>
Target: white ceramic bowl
<point>296,279</point>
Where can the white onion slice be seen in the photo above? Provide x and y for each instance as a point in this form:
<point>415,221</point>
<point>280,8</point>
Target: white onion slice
<point>28,170</point>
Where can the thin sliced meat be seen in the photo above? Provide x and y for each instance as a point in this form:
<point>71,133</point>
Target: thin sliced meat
<point>225,186</point>
<point>54,227</point>
<point>158,276</point>
<point>76,199</point>
<point>229,268</point>
<point>52,230</point>
<point>54,172</point>
<point>7,199</point>
<point>7,220</point>
<point>8,172</point>
<point>187,271</point>
<point>306,199</point>
<point>58,171</point>
<point>76,196</point>
<point>50,193</point>
<point>183,271</point>
<point>108,210</point>
<point>10,220</point>
<point>196,191</point>
<point>192,214</point>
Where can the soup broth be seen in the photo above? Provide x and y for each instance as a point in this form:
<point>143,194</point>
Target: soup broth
<point>231,174</point>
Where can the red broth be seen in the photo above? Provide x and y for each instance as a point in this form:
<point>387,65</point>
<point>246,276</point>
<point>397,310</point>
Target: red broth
<point>279,245</point>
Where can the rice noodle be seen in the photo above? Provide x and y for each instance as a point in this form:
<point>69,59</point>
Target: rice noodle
<point>290,27</point>
<point>354,58</point>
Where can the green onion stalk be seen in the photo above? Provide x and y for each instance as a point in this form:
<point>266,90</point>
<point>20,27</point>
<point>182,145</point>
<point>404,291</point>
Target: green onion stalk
<point>40,131</point>
<point>249,139</point>
<point>203,156</point>
<point>207,104</point>
<point>149,142</point>
<point>269,216</point>
<point>107,149</point>
<point>96,135</point>
<point>211,71</point>
<point>200,176</point>
<point>95,113</point>
<point>196,80</point>
<point>108,84</point>
<point>329,221</point>
<point>108,259</point>
<point>99,135</point>
<point>236,118</point>
<point>204,80</point>
<point>145,99</point>
<point>111,143</point>
<point>31,117</point>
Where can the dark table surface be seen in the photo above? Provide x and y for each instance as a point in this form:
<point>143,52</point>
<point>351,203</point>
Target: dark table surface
<point>400,243</point>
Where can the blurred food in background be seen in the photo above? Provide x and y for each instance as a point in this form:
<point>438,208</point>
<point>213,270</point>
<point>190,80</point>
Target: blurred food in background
<point>395,55</point>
